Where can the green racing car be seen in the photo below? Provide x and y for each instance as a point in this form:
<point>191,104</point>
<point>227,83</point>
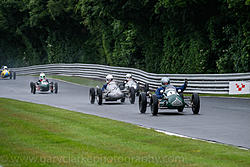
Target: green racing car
<point>171,100</point>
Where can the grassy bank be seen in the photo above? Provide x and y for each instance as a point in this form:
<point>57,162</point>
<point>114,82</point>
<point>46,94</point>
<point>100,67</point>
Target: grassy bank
<point>39,135</point>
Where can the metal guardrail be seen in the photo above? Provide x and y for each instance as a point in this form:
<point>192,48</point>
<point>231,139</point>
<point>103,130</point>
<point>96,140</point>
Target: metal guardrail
<point>199,83</point>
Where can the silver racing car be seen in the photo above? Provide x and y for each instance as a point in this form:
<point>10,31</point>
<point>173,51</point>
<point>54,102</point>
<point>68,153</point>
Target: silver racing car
<point>111,93</point>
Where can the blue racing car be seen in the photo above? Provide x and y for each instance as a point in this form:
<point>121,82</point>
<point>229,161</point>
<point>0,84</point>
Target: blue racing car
<point>5,73</point>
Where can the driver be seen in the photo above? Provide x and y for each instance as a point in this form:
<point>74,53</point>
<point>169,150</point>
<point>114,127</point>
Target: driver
<point>128,78</point>
<point>109,80</point>
<point>165,82</point>
<point>4,68</point>
<point>42,77</point>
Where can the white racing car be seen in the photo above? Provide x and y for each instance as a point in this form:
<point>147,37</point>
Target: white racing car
<point>132,84</point>
<point>112,93</point>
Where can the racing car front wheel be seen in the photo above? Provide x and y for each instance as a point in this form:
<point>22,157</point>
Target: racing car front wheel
<point>123,100</point>
<point>195,101</point>
<point>31,87</point>
<point>132,95</point>
<point>154,105</point>
<point>51,87</point>
<point>181,108</point>
<point>142,102</point>
<point>92,95</point>
<point>14,75</point>
<point>56,87</point>
<point>99,96</point>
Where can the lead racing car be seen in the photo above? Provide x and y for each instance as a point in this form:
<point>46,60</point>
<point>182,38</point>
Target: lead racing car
<point>130,82</point>
<point>171,100</point>
<point>5,73</point>
<point>112,93</point>
<point>44,86</point>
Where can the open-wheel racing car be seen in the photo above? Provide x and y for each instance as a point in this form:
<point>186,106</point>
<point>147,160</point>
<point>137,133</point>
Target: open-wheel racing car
<point>171,100</point>
<point>5,73</point>
<point>44,86</point>
<point>131,84</point>
<point>112,93</point>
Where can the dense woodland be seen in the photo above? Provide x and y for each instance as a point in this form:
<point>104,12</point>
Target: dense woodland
<point>160,36</point>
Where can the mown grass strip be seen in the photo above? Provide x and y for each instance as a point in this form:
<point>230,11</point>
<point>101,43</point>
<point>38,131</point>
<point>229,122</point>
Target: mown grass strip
<point>39,135</point>
<point>79,80</point>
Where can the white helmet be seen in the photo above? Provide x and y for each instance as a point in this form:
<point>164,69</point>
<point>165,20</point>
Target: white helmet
<point>42,75</point>
<point>5,67</point>
<point>165,81</point>
<point>128,76</point>
<point>109,78</point>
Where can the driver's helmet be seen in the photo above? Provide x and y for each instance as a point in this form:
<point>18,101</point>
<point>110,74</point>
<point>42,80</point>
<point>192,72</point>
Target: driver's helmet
<point>5,68</point>
<point>42,75</point>
<point>165,81</point>
<point>128,76</point>
<point>109,78</point>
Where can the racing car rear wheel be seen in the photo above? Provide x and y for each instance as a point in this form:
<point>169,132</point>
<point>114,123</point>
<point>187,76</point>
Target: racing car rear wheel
<point>195,101</point>
<point>154,105</point>
<point>92,95</point>
<point>56,87</point>
<point>146,88</point>
<point>137,89</point>
<point>142,102</point>
<point>10,74</point>
<point>132,95</point>
<point>99,96</point>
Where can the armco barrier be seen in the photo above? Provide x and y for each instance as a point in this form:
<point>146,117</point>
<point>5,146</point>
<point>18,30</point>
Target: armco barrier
<point>200,83</point>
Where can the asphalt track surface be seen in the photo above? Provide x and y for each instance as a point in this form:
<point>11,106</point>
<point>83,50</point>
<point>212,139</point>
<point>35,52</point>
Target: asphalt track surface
<point>223,120</point>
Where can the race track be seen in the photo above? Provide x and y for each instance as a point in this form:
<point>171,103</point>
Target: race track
<point>224,120</point>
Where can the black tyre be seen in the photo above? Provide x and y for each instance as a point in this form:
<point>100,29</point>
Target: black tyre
<point>182,108</point>
<point>10,74</point>
<point>132,95</point>
<point>31,87</point>
<point>122,86</point>
<point>56,87</point>
<point>154,105</point>
<point>92,95</point>
<point>195,100</point>
<point>142,102</point>
<point>34,88</point>
<point>146,88</point>
<point>14,75</point>
<point>138,88</point>
<point>99,96</point>
<point>51,87</point>
<point>123,100</point>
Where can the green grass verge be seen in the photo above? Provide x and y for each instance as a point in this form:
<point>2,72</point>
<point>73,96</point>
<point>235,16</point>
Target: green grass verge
<point>39,135</point>
<point>93,83</point>
<point>219,95</point>
<point>79,80</point>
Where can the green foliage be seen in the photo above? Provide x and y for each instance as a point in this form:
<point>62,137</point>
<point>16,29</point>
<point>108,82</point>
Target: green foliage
<point>161,36</point>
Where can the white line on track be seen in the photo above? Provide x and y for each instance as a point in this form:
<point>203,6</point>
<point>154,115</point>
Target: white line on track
<point>183,136</point>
